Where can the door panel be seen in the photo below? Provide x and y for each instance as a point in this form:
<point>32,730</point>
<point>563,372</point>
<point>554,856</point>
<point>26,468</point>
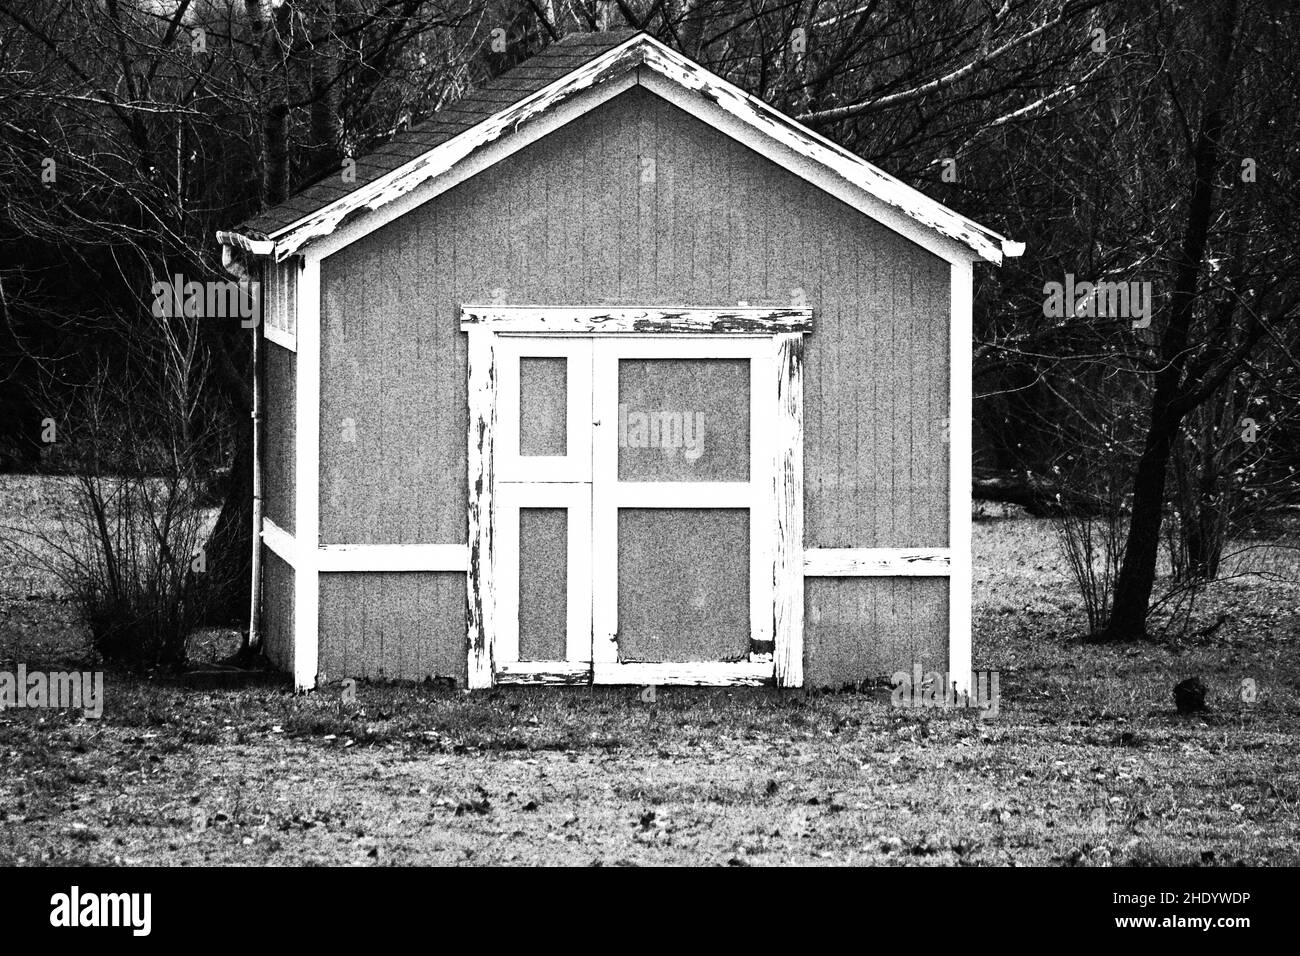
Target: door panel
<point>543,409</point>
<point>633,510</point>
<point>681,554</point>
<point>683,584</point>
<point>543,583</point>
<point>543,405</point>
<point>543,510</point>
<point>683,419</point>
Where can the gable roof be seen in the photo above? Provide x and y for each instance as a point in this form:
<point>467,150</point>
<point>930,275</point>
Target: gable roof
<point>564,70</point>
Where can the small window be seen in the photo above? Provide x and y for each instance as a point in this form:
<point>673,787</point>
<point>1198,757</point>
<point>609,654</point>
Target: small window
<point>280,304</point>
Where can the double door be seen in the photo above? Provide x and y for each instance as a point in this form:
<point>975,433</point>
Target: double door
<point>633,510</point>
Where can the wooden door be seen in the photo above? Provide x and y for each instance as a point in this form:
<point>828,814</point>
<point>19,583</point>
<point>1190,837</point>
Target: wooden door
<point>543,510</point>
<point>682,521</point>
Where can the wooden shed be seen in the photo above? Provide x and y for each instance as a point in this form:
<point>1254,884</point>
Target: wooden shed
<point>612,373</point>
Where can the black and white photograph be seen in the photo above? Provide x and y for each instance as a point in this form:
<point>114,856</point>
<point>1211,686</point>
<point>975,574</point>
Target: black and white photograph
<point>650,433</point>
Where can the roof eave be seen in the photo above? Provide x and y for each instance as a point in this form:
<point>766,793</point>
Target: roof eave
<point>638,50</point>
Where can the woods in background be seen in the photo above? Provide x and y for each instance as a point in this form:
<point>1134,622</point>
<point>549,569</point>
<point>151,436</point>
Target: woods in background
<point>1144,147</point>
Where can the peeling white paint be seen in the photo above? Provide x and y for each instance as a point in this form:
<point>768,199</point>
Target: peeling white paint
<point>645,52</point>
<point>597,320</point>
<point>876,562</point>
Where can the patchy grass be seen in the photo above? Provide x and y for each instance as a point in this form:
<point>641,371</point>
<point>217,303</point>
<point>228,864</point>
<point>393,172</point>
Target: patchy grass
<point>1086,764</point>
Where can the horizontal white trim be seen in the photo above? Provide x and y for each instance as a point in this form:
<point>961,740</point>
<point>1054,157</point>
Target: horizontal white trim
<point>543,672</point>
<point>393,557</point>
<point>875,562</point>
<point>587,320</point>
<point>281,542</point>
<point>368,557</point>
<point>281,337</point>
<point>697,673</point>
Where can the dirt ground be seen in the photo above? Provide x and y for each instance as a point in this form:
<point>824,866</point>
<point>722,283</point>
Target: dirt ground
<point>1087,762</point>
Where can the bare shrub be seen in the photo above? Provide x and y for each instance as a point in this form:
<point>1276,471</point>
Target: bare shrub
<point>137,444</point>
<point>1091,537</point>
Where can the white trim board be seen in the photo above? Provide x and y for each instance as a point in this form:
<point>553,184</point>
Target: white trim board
<point>875,562</point>
<point>480,579</point>
<point>306,522</point>
<point>741,320</point>
<point>961,391</point>
<point>787,513</point>
<point>642,59</point>
<point>501,482</point>
<point>699,674</point>
<point>280,337</point>
<point>333,558</point>
<point>280,542</point>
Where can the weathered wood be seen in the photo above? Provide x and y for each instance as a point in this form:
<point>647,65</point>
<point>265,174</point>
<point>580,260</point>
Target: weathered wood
<point>480,590</point>
<point>875,562</point>
<point>838,163</point>
<point>559,673</point>
<point>384,190</point>
<point>506,229</point>
<point>864,628</point>
<point>393,625</point>
<point>543,319</point>
<point>787,629</point>
<point>644,54</point>
<point>700,674</point>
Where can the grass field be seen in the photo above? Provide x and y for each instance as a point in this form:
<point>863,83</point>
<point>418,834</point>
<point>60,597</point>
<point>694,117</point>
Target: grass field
<point>1087,763</point>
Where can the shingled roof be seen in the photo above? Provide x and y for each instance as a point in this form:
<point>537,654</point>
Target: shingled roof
<point>534,74</point>
<point>567,68</point>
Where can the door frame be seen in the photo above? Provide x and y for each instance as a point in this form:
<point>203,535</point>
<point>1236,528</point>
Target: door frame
<point>778,434</point>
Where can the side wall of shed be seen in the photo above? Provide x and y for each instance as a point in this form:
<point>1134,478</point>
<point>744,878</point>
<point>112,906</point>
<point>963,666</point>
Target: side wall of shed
<point>279,416</point>
<point>636,203</point>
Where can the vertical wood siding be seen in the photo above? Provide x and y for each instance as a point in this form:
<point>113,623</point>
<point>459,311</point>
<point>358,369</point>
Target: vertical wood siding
<point>278,431</point>
<point>867,628</point>
<point>399,626</point>
<point>277,609</point>
<point>635,204</point>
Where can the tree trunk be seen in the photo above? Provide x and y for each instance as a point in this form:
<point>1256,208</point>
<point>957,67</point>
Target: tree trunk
<point>1137,574</point>
<point>324,141</point>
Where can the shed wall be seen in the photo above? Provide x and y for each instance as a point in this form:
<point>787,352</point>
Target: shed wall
<point>636,203</point>
<point>400,626</point>
<point>863,629</point>
<point>277,609</point>
<point>279,430</point>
